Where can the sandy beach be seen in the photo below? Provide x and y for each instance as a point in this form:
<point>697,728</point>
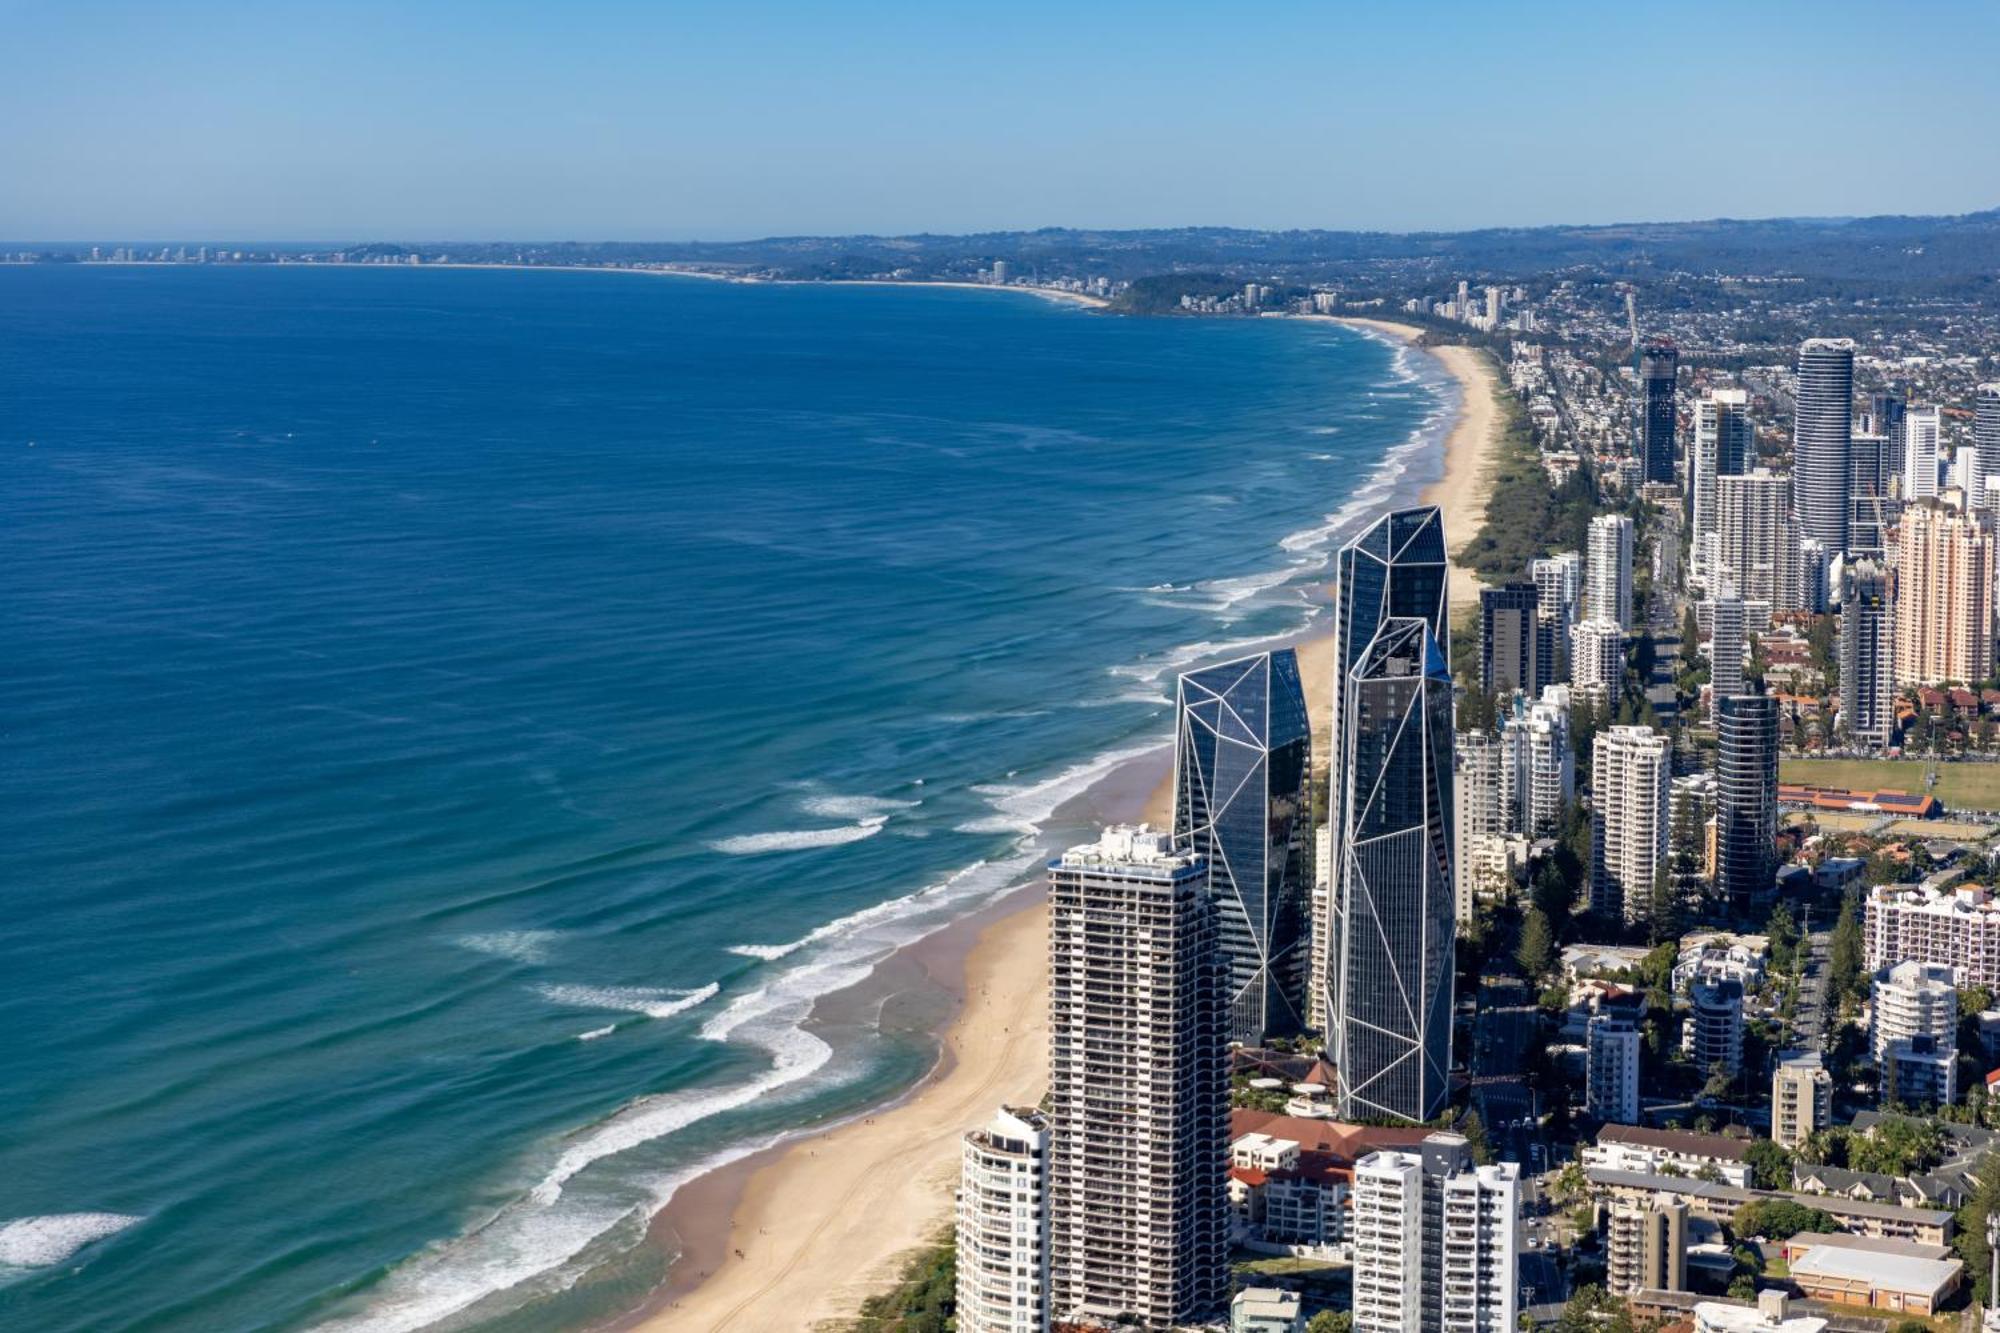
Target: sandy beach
<point>820,1223</point>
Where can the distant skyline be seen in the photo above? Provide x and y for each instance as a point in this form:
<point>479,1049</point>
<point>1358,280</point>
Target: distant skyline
<point>607,119</point>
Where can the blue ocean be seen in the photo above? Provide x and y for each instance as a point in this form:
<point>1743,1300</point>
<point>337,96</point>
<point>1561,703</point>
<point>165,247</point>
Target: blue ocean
<point>456,724</point>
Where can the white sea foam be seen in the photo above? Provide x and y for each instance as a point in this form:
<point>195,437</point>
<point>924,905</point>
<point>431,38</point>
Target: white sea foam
<point>854,807</point>
<point>799,840</point>
<point>523,946</point>
<point>42,1242</point>
<point>652,1001</point>
<point>595,1033</point>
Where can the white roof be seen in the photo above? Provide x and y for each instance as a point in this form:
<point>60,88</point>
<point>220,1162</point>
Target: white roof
<point>1897,1272</point>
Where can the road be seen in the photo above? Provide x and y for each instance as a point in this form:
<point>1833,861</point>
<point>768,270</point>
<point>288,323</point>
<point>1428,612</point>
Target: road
<point>1809,1021</point>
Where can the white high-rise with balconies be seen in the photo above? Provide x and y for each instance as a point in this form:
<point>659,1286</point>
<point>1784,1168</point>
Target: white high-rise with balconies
<point>1631,780</point>
<point>1539,773</point>
<point>1913,1032</point>
<point>1611,1076</point>
<point>1002,1224</point>
<point>1138,1085</point>
<point>1922,429</point>
<point>1724,444</point>
<point>1434,1240</point>
<point>1757,539</point>
<point>1597,661</point>
<point>1801,1098</point>
<point>1608,593</point>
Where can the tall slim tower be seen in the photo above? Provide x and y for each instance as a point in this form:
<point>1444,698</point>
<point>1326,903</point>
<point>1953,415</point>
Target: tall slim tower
<point>1985,442</point>
<point>1393,925</point>
<point>1654,447</point>
<point>1746,795</point>
<point>1243,801</point>
<point>1396,568</point>
<point>1725,445</point>
<point>1822,440</point>
<point>1725,643</point>
<point>1608,595</point>
<point>1516,643</point>
<point>1138,1085</point>
<point>1867,655</point>
<point>1922,429</point>
<point>1631,769</point>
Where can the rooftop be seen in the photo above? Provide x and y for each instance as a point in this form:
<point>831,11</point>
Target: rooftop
<point>1893,1272</point>
<point>1685,1143</point>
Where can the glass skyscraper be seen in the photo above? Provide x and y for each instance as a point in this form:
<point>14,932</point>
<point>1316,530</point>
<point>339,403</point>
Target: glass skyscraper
<point>1823,441</point>
<point>1658,362</point>
<point>1746,791</point>
<point>1396,568</point>
<point>1391,1036</point>
<point>1243,801</point>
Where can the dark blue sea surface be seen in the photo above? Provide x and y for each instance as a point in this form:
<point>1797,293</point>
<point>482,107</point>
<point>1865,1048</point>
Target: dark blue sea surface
<point>455,724</point>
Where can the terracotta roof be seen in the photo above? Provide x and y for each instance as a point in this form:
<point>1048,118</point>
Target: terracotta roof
<point>1249,1175</point>
<point>1331,1137</point>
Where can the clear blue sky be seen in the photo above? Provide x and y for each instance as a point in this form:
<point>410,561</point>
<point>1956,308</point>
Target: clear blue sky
<point>601,119</point>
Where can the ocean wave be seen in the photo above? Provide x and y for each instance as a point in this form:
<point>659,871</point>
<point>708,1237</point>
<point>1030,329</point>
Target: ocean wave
<point>652,1001</point>
<point>522,946</point>
<point>799,840</point>
<point>596,1033</point>
<point>854,807</point>
<point>43,1242</point>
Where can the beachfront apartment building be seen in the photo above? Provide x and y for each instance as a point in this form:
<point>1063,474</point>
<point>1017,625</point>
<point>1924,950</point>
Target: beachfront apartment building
<point>1001,1224</point>
<point>1435,1242</point>
<point>1958,927</point>
<point>1608,574</point>
<point>1138,1085</point>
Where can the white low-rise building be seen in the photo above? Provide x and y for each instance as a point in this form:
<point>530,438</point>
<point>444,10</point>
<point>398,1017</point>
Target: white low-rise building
<point>1651,1152</point>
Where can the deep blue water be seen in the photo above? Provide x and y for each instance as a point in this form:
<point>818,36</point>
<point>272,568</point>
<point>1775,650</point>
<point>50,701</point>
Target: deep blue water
<point>456,722</point>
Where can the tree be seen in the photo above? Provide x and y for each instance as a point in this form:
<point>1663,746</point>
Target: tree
<point>1331,1321</point>
<point>1897,1146</point>
<point>1770,1165</point>
<point>1778,1219</point>
<point>1973,1219</point>
<point>1783,934</point>
<point>1536,951</point>
<point>1845,954</point>
<point>1663,920</point>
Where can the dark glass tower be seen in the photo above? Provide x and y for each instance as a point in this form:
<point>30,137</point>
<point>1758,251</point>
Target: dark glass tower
<point>1658,362</point>
<point>1746,794</point>
<point>1867,651</point>
<point>1516,643</point>
<point>1391,1034</point>
<point>1985,439</point>
<point>1243,800</point>
<point>1396,568</point>
<point>1822,441</point>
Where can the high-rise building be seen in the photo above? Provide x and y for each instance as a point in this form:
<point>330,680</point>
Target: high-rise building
<point>1002,1224</point>
<point>1393,925</point>
<point>1609,592</point>
<point>1611,1074</point>
<point>1822,439</point>
<point>1757,541</point>
<point>1867,655</point>
<point>1885,418</point>
<point>1138,1085</point>
<point>1645,1246</point>
<point>1913,1032</point>
<point>1395,569</point>
<point>1801,1098</point>
<point>1654,447</point>
<point>1868,490</point>
<point>1478,760</point>
<point>1958,927</point>
<point>1435,1241</point>
<point>1715,1025</point>
<point>1725,445</point>
<point>1691,833</point>
<point>1943,596</point>
<point>1746,778</point>
<point>1493,307</point>
<point>1597,661</point>
<point>1985,443</point>
<point>1726,642</point>
<point>1515,643</point>
<point>1539,777</point>
<point>1559,583</point>
<point>1243,802</point>
<point>1922,432</point>
<point>1631,771</point>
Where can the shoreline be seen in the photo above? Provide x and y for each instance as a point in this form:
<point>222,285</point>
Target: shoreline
<point>826,1218</point>
<point>709,275</point>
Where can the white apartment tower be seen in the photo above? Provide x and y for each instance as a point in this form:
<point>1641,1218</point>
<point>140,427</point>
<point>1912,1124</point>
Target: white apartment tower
<point>1597,661</point>
<point>1801,1098</point>
<point>1757,538</point>
<point>1922,427</point>
<point>1435,1245</point>
<point>1913,1032</point>
<point>1959,928</point>
<point>1539,773</point>
<point>1611,1083</point>
<point>1715,1025</point>
<point>1002,1225</point>
<point>1726,641</point>
<point>1478,760</point>
<point>1138,1085</point>
<point>1631,777</point>
<point>1609,591</point>
<point>1724,444</point>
